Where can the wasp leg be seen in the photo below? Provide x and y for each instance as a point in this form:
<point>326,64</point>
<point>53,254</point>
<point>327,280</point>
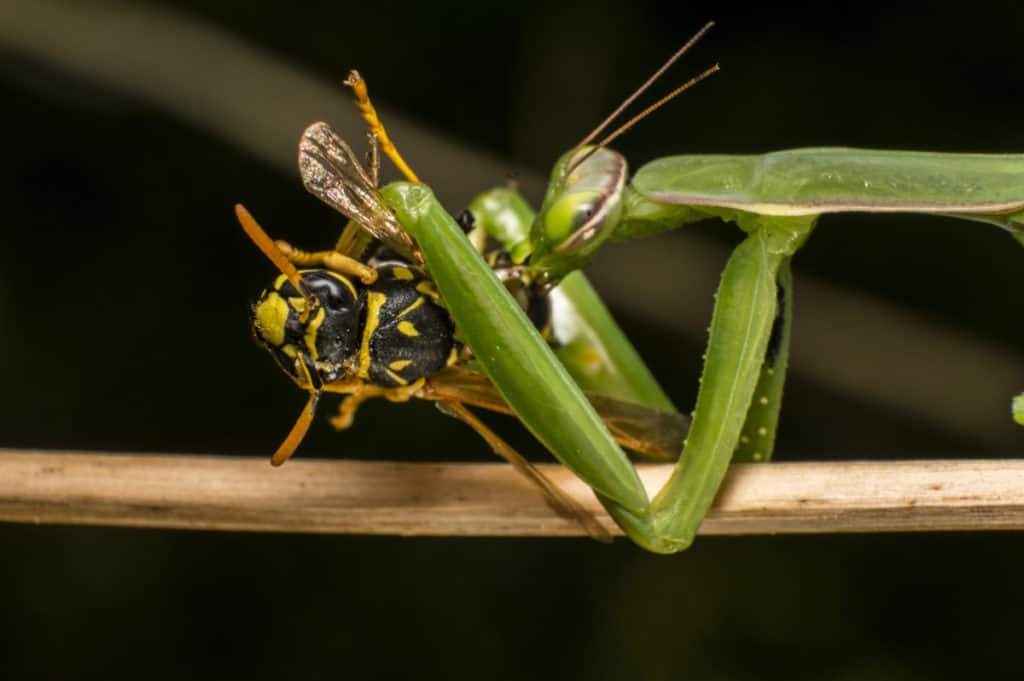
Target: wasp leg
<point>369,113</point>
<point>373,158</point>
<point>357,394</point>
<point>559,501</point>
<point>332,260</point>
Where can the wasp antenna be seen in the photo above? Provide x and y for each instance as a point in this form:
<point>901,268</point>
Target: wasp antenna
<point>301,427</point>
<point>298,431</point>
<point>650,81</point>
<point>302,424</point>
<point>273,253</point>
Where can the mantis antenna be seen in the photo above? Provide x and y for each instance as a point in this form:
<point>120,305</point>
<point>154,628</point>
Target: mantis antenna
<point>657,105</point>
<point>648,83</point>
<point>639,91</point>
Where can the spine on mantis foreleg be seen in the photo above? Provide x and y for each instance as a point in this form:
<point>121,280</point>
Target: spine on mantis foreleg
<point>511,352</point>
<point>757,437</point>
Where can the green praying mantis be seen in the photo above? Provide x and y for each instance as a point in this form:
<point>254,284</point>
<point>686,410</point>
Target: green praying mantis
<point>776,199</point>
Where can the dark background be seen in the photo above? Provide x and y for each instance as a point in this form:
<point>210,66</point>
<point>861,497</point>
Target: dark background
<point>125,282</point>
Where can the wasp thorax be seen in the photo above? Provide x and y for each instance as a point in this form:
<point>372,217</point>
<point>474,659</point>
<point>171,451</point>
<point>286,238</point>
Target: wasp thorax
<point>302,341</point>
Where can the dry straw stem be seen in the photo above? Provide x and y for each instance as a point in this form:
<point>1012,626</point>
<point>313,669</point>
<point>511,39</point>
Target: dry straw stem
<point>233,493</point>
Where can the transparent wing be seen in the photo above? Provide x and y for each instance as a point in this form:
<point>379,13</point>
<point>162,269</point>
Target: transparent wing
<point>645,431</point>
<point>332,172</point>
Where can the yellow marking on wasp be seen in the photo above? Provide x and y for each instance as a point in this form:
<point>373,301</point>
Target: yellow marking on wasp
<point>419,302</point>
<point>312,329</point>
<point>395,377</point>
<point>344,280</point>
<point>374,301</point>
<point>428,289</point>
<point>453,357</point>
<point>402,273</point>
<point>270,316</point>
<point>399,364</point>
<point>290,351</point>
<point>408,329</point>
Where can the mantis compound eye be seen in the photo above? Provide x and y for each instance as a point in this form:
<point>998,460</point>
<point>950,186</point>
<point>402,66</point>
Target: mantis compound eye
<point>574,219</point>
<point>580,211</point>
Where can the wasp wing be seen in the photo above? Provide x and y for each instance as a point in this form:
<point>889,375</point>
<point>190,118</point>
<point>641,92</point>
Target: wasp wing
<point>648,432</point>
<point>332,172</point>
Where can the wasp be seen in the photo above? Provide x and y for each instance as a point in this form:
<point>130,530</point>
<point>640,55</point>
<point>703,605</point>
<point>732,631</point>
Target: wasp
<point>364,319</point>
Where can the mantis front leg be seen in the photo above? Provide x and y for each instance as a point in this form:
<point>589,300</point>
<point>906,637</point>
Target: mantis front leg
<point>511,352</point>
<point>757,439</point>
<point>545,398</point>
<point>740,390</point>
<point>745,310</point>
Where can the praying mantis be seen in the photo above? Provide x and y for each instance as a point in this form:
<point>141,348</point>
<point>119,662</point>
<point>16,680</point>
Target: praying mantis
<point>776,199</point>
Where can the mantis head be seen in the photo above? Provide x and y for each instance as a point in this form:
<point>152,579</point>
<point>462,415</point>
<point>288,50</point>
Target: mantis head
<point>580,211</point>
